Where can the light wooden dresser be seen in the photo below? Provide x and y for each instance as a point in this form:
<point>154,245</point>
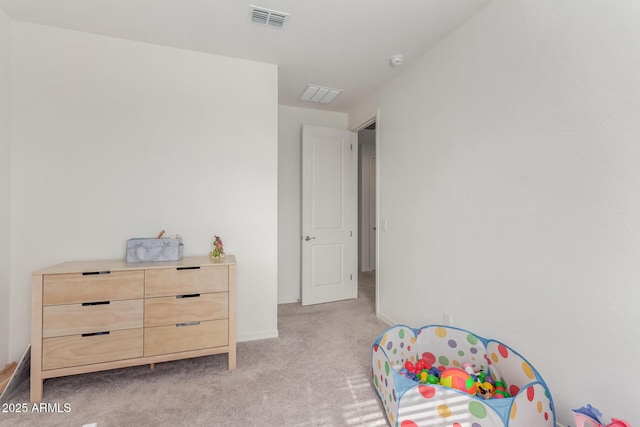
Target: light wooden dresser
<point>96,315</point>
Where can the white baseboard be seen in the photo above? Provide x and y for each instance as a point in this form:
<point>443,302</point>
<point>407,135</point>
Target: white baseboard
<point>288,300</point>
<point>386,320</point>
<point>255,336</point>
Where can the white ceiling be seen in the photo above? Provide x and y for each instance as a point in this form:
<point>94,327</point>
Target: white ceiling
<point>345,44</point>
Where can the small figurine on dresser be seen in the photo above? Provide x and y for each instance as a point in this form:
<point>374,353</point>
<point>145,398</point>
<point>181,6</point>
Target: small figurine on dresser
<point>218,250</point>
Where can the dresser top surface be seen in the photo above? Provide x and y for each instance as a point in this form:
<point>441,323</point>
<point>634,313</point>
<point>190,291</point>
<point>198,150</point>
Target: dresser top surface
<point>122,265</point>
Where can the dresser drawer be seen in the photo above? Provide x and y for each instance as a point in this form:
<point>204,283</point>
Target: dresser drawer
<point>75,319</point>
<point>186,280</point>
<point>186,308</point>
<point>176,338</point>
<point>92,286</point>
<point>76,350</point>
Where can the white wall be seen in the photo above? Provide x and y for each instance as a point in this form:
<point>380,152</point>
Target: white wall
<point>5,175</point>
<point>290,121</point>
<point>115,139</point>
<point>509,175</point>
<point>366,150</point>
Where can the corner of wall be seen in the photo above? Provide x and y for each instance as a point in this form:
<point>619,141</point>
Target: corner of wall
<point>5,183</point>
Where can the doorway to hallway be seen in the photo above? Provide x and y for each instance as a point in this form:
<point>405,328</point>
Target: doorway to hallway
<point>367,198</point>
<point>367,209</point>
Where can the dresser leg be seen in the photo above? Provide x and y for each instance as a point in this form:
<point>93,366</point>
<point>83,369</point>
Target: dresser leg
<point>152,366</point>
<point>36,387</point>
<point>232,359</point>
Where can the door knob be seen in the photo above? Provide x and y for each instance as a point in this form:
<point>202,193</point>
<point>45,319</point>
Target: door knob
<point>307,238</point>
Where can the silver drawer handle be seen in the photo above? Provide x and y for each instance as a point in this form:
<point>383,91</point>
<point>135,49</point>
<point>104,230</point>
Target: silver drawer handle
<point>179,325</point>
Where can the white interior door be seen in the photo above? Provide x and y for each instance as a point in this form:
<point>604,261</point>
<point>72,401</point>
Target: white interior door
<point>329,215</point>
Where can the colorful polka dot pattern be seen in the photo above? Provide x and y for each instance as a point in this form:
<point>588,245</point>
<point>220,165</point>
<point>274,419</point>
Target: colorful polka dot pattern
<point>452,347</point>
<point>444,407</point>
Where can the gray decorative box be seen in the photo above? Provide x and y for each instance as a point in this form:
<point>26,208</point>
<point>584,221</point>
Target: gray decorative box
<point>153,249</point>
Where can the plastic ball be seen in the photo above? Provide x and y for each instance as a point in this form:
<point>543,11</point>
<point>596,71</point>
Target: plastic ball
<point>500,390</point>
<point>435,372</point>
<point>459,379</point>
<point>432,379</point>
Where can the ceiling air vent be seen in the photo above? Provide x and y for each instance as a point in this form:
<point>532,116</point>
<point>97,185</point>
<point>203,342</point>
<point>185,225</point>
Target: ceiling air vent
<point>268,17</point>
<point>323,95</point>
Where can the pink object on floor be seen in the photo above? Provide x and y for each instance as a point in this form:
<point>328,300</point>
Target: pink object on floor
<point>618,423</point>
<point>583,420</point>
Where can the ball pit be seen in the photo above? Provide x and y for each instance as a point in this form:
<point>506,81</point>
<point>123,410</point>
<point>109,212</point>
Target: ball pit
<point>523,399</point>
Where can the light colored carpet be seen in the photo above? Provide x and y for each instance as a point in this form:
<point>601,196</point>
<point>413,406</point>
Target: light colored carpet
<point>317,373</point>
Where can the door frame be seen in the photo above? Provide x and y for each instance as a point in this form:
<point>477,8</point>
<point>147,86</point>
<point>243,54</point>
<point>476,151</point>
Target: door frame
<point>373,203</point>
<point>374,118</point>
